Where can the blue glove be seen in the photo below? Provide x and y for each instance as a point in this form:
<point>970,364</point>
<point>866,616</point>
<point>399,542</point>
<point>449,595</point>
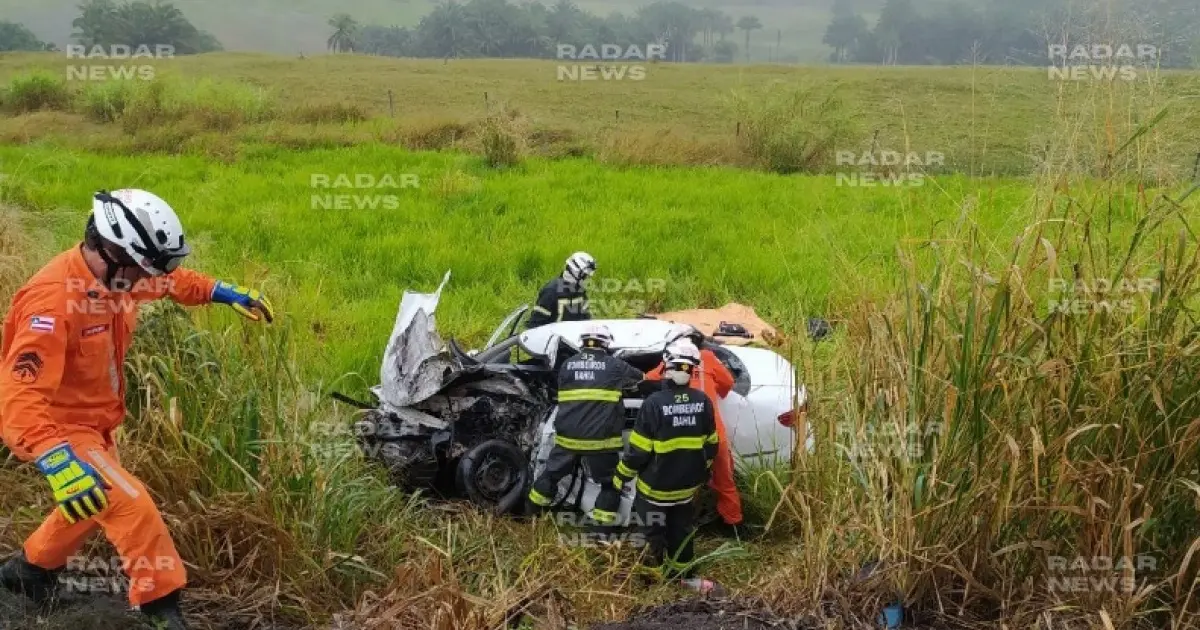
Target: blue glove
<point>78,489</point>
<point>244,301</point>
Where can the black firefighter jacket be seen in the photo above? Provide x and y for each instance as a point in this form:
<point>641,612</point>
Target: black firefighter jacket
<point>591,416</point>
<point>672,446</point>
<point>560,301</point>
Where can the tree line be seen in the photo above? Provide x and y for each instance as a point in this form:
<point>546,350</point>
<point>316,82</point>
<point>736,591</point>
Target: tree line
<point>498,28</point>
<point>1013,32</point>
<point>938,32</point>
<point>132,23</point>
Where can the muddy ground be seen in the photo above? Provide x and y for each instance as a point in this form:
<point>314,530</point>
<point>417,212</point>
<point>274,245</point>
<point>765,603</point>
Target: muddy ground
<point>96,612</point>
<point>699,614</point>
<point>106,612</point>
<point>73,613</point>
<point>715,614</point>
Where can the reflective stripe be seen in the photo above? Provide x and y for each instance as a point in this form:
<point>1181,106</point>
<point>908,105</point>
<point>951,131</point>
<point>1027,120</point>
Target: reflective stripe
<point>625,471</point>
<point>538,498</point>
<point>111,474</point>
<point>563,303</point>
<point>666,495</point>
<point>544,311</point>
<point>601,395</point>
<point>618,482</point>
<point>680,443</point>
<point>603,516</point>
<point>588,445</point>
<point>641,441</point>
<point>713,438</point>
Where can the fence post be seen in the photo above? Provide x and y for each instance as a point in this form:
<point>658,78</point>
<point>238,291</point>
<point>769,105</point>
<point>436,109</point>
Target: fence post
<point>618,115</point>
<point>391,104</point>
<point>739,129</point>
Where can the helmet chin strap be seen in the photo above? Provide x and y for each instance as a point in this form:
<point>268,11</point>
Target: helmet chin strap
<point>112,266</point>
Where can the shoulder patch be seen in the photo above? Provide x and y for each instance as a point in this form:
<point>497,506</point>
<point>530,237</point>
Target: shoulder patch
<point>28,368</point>
<point>42,324</point>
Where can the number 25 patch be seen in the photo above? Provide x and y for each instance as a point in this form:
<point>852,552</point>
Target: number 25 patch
<point>28,368</point>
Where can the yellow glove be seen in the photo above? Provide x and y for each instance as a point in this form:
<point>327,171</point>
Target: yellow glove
<point>244,301</point>
<point>78,489</point>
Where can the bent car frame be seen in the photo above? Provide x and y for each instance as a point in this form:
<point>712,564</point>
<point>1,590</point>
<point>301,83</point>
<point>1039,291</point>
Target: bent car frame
<point>479,424</point>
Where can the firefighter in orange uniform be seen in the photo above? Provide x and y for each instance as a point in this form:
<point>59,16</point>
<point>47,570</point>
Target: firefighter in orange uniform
<point>715,380</point>
<point>62,392</point>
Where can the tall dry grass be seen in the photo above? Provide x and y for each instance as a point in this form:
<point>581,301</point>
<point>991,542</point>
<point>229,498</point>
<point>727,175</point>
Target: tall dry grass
<point>1013,438</point>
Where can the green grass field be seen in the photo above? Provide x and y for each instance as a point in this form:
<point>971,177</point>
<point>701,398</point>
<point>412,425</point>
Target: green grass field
<point>817,248</point>
<point>984,120</point>
<point>1048,433</point>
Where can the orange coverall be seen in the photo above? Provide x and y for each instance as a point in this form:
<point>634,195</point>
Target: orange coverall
<point>64,345</point>
<point>715,380</point>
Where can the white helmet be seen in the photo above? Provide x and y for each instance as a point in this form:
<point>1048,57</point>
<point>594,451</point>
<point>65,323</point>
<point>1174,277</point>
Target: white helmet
<point>679,360</point>
<point>580,267</point>
<point>598,333</point>
<point>682,353</point>
<point>684,331</point>
<point>143,226</point>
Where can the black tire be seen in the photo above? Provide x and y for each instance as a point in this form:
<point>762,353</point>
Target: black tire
<point>494,475</point>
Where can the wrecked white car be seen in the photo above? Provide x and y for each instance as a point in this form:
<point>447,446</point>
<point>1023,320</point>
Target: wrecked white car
<point>479,424</point>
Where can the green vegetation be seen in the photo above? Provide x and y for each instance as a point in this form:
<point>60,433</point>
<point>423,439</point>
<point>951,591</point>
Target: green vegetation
<point>1044,420</point>
<point>984,121</point>
<point>15,36</point>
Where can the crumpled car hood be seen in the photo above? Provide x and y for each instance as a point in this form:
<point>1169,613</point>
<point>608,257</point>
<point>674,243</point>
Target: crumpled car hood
<point>416,360</point>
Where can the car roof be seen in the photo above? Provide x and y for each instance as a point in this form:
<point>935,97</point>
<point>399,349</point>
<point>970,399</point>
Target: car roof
<point>650,335</point>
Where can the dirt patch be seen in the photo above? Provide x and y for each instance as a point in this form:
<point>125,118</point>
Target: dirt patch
<point>706,614</point>
<point>74,612</point>
<point>111,612</point>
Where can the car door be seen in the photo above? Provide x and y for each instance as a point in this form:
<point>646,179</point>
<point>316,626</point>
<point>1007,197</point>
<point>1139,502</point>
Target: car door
<point>750,413</point>
<point>508,327</point>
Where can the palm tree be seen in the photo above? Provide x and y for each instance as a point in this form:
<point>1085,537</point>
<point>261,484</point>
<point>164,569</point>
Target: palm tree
<point>95,22</point>
<point>749,23</point>
<point>344,31</point>
<point>724,26</point>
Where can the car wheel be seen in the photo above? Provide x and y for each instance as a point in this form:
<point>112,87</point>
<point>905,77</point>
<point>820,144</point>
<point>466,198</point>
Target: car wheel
<point>494,475</point>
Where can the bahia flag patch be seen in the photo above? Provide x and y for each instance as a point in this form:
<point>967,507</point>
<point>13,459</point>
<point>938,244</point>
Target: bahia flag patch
<point>42,324</point>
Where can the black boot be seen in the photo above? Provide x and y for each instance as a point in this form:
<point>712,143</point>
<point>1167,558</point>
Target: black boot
<point>19,576</point>
<point>164,613</point>
<point>532,511</point>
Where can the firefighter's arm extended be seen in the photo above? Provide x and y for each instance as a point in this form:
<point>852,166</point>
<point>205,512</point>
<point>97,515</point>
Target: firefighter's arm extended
<point>641,448</point>
<point>656,374</point>
<point>192,288</point>
<point>33,371</point>
<point>631,377</point>
<point>722,377</point>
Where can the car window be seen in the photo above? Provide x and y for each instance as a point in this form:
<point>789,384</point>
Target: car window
<point>741,376</point>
